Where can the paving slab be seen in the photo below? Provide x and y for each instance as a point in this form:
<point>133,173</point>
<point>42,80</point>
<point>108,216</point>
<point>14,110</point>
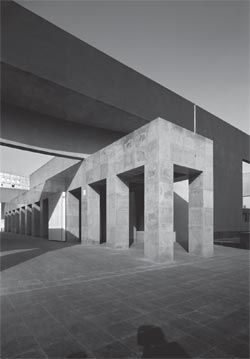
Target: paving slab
<point>80,301</point>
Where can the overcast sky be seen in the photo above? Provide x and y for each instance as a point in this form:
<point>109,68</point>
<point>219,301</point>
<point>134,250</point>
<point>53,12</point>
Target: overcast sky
<point>199,49</point>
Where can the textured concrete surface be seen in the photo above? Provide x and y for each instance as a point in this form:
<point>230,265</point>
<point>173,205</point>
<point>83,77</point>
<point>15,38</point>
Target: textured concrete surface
<point>48,90</point>
<point>35,219</point>
<point>65,301</point>
<point>153,150</point>
<point>124,92</point>
<point>231,147</point>
<point>157,153</point>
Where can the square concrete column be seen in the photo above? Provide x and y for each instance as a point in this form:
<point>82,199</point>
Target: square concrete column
<point>43,216</point>
<point>6,222</point>
<point>28,215</point>
<point>22,220</point>
<point>12,222</point>
<point>117,212</point>
<point>56,203</point>
<point>93,215</point>
<point>201,214</point>
<point>35,220</point>
<point>84,215</point>
<point>159,234</point>
<point>9,221</point>
<point>44,220</point>
<point>17,221</point>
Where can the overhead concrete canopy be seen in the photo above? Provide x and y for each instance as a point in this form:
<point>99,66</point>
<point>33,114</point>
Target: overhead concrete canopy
<point>26,90</point>
<point>57,87</point>
<point>50,71</point>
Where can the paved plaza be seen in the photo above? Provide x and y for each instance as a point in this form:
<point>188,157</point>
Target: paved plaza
<point>60,300</point>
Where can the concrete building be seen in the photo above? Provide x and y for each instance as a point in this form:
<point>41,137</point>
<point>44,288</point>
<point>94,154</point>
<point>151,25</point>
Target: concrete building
<point>111,181</point>
<point>123,140</point>
<point>10,187</point>
<point>8,180</point>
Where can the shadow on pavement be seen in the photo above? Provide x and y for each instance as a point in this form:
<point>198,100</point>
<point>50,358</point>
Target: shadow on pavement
<point>26,248</point>
<point>155,345</point>
<point>79,355</point>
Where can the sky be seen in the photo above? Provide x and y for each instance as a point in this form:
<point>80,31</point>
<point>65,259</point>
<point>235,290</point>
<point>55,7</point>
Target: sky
<point>199,49</point>
<point>19,162</point>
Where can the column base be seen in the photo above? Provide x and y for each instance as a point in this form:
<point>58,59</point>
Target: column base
<point>159,247</point>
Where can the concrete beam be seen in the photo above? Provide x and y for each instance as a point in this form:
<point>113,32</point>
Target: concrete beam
<point>23,128</point>
<point>105,79</point>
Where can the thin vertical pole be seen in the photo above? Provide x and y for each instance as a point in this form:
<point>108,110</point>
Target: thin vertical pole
<point>194,118</point>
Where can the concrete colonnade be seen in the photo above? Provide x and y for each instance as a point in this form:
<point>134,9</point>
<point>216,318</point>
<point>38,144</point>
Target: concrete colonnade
<point>45,218</point>
<point>102,208</point>
<point>154,152</point>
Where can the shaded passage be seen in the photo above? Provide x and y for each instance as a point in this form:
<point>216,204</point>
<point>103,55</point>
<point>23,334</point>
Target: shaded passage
<point>22,248</point>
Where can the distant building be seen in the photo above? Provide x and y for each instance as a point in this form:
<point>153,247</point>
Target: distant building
<point>8,180</point>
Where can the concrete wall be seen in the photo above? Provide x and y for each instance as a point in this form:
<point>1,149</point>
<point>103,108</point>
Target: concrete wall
<point>8,194</point>
<point>38,192</point>
<point>231,147</point>
<point>43,206</point>
<point>58,175</point>
<point>51,169</point>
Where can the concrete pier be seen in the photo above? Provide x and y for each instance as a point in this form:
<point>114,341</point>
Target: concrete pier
<point>28,220</point>
<point>35,220</point>
<point>117,212</point>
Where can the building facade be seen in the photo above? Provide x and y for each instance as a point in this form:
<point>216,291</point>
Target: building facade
<point>63,97</point>
<point>150,158</point>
